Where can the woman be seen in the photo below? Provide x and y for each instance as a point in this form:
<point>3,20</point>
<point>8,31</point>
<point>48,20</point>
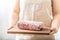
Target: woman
<point>43,10</point>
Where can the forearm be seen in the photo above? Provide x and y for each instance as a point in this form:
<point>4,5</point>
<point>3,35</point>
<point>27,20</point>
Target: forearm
<point>56,13</point>
<point>15,18</point>
<point>56,21</point>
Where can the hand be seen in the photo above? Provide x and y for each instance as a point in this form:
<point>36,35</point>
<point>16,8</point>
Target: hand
<point>10,28</point>
<point>54,30</point>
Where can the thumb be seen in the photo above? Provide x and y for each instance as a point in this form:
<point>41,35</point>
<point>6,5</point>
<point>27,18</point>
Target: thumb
<point>10,28</point>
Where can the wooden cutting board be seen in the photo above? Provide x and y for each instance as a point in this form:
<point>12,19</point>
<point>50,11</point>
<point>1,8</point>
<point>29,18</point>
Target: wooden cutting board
<point>16,30</point>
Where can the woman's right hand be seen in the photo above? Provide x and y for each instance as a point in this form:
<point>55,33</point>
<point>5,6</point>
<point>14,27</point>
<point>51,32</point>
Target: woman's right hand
<point>10,27</point>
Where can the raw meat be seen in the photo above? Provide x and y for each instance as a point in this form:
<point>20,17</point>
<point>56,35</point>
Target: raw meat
<point>31,25</point>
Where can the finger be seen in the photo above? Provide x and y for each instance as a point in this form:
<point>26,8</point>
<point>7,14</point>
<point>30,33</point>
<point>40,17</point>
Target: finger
<point>46,27</point>
<point>53,32</point>
<point>10,28</point>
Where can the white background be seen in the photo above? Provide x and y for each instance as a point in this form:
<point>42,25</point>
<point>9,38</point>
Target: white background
<point>6,8</point>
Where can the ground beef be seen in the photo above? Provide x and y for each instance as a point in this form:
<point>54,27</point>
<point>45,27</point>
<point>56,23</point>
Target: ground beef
<point>31,25</point>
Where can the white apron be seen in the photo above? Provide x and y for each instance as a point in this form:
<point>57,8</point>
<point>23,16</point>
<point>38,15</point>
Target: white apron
<point>35,10</point>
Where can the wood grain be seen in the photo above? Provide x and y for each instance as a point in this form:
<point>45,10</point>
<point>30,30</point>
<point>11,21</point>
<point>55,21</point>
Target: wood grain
<point>16,30</point>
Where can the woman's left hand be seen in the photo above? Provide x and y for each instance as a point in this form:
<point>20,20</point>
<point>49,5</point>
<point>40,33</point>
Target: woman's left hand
<point>54,30</point>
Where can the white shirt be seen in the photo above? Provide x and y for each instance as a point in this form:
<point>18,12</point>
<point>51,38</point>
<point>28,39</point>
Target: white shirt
<point>35,10</point>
